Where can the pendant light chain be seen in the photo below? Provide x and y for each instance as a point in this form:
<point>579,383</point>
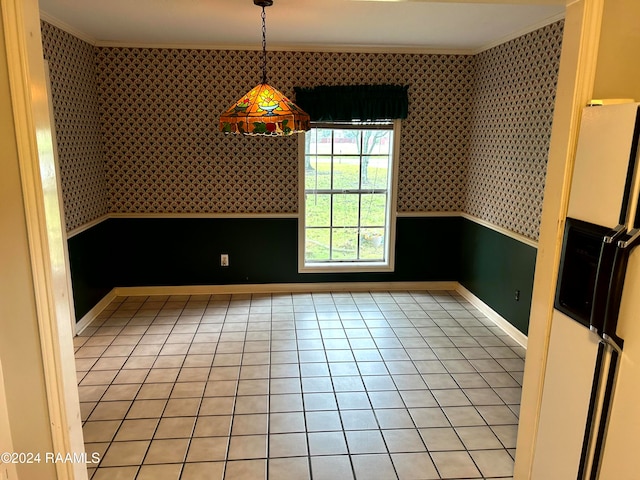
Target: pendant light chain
<point>263,110</point>
<point>264,46</point>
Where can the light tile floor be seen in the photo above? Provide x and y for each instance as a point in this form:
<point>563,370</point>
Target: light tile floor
<point>372,385</point>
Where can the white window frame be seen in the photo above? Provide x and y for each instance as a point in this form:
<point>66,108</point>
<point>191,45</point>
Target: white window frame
<point>387,265</point>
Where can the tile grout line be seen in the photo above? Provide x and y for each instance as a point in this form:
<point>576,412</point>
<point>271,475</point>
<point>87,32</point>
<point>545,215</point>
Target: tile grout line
<point>197,416</point>
<point>428,389</point>
<point>327,361</point>
<point>335,396</point>
<point>168,398</point>
<point>132,401</point>
<point>380,429</point>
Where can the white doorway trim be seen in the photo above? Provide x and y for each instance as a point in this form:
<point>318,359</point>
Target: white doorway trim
<point>575,86</point>
<point>43,219</point>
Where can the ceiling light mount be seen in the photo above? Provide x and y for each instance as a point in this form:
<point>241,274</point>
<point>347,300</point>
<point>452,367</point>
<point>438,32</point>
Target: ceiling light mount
<point>263,3</point>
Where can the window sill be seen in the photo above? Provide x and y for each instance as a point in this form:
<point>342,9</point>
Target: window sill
<point>346,267</point>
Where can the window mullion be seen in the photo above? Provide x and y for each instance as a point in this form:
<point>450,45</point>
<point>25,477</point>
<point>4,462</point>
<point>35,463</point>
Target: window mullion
<point>331,198</point>
<point>316,157</point>
<point>332,180</point>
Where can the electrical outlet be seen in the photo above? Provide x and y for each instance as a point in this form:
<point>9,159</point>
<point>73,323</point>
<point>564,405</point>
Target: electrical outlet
<point>517,296</point>
<point>224,259</point>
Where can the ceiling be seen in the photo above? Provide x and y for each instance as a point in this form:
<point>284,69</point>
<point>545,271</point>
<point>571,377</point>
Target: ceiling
<point>346,25</point>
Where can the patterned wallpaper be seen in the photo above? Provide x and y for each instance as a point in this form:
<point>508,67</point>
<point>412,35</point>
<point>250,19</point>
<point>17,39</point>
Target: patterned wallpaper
<point>160,110</point>
<point>512,113</point>
<point>151,118</point>
<point>74,89</point>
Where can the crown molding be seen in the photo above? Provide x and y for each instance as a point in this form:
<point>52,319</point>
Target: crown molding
<point>67,28</point>
<point>333,48</point>
<point>519,33</point>
<point>330,48</point>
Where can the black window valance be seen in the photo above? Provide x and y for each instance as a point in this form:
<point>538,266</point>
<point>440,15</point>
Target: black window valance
<point>354,102</point>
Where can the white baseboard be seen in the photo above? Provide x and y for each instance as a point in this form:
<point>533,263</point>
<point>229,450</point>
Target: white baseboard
<point>92,314</point>
<point>284,287</point>
<point>491,314</point>
<point>494,316</point>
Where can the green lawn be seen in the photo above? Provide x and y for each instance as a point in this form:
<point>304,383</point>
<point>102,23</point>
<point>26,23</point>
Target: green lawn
<point>345,231</point>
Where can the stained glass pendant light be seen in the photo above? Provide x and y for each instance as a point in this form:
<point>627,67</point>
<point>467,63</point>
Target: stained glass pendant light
<point>264,110</point>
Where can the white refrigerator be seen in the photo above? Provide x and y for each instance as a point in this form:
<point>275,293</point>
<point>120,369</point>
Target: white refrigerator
<point>589,426</point>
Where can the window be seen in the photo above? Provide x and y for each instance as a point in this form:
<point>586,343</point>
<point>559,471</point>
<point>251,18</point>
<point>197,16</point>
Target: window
<point>348,202</point>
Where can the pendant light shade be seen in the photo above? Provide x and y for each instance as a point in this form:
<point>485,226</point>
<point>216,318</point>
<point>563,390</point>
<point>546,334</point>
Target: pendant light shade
<point>264,110</point>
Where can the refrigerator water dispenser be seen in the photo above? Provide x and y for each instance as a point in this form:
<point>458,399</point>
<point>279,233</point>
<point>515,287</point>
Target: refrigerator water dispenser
<point>578,269</point>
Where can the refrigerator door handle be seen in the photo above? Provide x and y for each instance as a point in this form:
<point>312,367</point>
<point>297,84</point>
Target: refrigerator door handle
<point>610,381</point>
<point>616,285</point>
<point>603,276</point>
<point>633,240</point>
<point>615,234</point>
<point>591,426</point>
